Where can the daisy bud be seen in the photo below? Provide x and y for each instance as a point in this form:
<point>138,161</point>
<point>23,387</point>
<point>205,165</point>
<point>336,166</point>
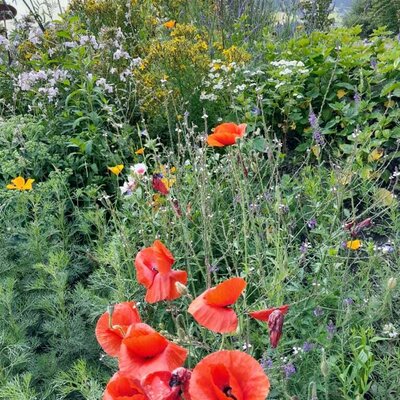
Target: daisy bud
<point>275,323</point>
<point>181,288</point>
<point>391,283</point>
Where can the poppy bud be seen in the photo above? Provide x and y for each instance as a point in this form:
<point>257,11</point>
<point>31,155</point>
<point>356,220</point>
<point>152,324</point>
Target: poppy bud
<point>275,323</point>
<point>176,207</point>
<point>181,288</point>
<point>391,283</point>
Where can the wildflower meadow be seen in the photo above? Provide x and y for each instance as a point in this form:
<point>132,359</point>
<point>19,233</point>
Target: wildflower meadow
<point>199,200</point>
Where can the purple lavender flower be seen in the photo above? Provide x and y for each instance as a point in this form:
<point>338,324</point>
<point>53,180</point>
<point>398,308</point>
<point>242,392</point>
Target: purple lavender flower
<point>348,302</point>
<point>312,118</point>
<point>357,98</point>
<point>255,111</point>
<point>373,63</point>
<point>304,247</point>
<point>317,136</point>
<point>318,311</point>
<point>289,370</point>
<point>307,346</point>
<point>331,329</point>
<point>266,363</point>
<point>312,223</point>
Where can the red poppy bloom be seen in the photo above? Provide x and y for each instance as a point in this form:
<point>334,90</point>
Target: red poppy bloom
<point>144,351</point>
<point>159,185</point>
<point>226,134</point>
<point>110,338</point>
<point>228,374</point>
<point>122,387</point>
<point>165,385</point>
<point>274,317</point>
<point>153,270</point>
<point>212,308</point>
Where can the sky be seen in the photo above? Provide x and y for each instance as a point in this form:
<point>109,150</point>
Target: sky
<point>21,8</point>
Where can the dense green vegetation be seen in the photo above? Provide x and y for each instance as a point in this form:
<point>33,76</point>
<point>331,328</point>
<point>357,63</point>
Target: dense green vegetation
<point>112,83</point>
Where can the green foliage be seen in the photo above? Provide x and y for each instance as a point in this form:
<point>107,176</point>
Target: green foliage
<point>321,150</point>
<point>372,14</point>
<point>316,14</point>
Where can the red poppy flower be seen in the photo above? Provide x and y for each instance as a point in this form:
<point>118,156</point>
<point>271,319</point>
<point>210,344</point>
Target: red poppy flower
<point>144,351</point>
<point>212,308</point>
<point>228,374</point>
<point>165,385</point>
<point>122,387</point>
<point>153,270</point>
<point>274,317</point>
<point>159,185</point>
<point>110,338</point>
<point>226,134</point>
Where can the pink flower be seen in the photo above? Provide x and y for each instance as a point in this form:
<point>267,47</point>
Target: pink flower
<point>139,169</point>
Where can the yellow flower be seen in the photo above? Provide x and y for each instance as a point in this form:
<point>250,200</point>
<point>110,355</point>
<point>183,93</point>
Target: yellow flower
<point>117,169</point>
<point>19,183</point>
<point>340,93</point>
<point>353,244</point>
<point>170,24</point>
<point>140,151</point>
<point>375,155</point>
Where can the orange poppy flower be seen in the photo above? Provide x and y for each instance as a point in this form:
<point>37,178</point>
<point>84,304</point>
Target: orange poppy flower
<point>122,387</point>
<point>170,24</point>
<point>212,308</point>
<point>228,374</point>
<point>226,134</point>
<point>165,385</point>
<point>110,338</point>
<point>144,351</point>
<point>274,317</point>
<point>19,183</point>
<point>153,270</point>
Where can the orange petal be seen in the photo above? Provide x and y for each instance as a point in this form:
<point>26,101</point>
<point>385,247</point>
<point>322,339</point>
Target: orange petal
<point>146,266</point>
<point>226,127</point>
<point>132,362</point>
<point>247,379</point>
<point>163,287</point>
<point>19,182</point>
<point>212,140</point>
<point>216,319</point>
<point>165,259</point>
<point>145,344</point>
<point>226,293</point>
<point>263,315</point>
<point>123,387</point>
<point>110,339</point>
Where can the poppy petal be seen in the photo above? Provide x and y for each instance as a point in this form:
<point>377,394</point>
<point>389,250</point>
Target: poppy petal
<point>163,287</point>
<point>110,339</point>
<point>246,378</point>
<point>164,257</point>
<point>146,266</point>
<point>212,140</point>
<point>263,315</point>
<point>144,351</point>
<point>226,293</point>
<point>123,387</point>
<point>216,319</point>
<point>157,386</point>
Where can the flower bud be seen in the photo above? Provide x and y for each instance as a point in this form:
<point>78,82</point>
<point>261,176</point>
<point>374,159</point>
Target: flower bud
<point>181,289</point>
<point>391,283</point>
<point>275,324</point>
<point>324,365</point>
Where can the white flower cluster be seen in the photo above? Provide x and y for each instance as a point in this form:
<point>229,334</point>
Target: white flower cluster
<point>289,67</point>
<point>220,77</point>
<point>390,330</point>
